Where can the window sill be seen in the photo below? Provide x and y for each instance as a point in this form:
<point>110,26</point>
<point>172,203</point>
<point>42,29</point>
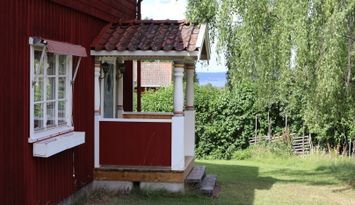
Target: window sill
<point>55,145</point>
<point>49,133</point>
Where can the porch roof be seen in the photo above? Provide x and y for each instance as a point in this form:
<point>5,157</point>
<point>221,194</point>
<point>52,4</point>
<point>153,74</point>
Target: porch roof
<point>153,39</point>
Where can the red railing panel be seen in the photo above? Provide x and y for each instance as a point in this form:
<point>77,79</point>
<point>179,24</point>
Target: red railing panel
<point>135,143</point>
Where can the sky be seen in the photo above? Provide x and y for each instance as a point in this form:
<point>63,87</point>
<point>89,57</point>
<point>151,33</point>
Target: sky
<point>175,10</point>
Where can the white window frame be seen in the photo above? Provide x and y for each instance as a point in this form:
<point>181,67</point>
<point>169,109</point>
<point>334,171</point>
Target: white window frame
<point>59,129</point>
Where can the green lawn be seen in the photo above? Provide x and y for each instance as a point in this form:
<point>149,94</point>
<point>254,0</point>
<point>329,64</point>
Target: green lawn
<point>311,180</point>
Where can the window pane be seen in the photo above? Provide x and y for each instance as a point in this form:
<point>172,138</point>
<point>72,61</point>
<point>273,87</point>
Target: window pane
<point>50,114</point>
<point>38,90</point>
<point>38,116</point>
<point>61,113</point>
<point>51,88</point>
<point>62,65</point>
<point>61,87</point>
<point>36,62</point>
<point>51,64</point>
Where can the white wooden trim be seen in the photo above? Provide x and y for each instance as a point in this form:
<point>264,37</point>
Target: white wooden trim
<point>44,92</point>
<point>56,89</point>
<point>49,133</point>
<point>178,88</point>
<point>189,132</point>
<point>148,53</point>
<point>52,146</point>
<point>149,113</point>
<point>177,144</point>
<point>97,141</point>
<point>97,89</point>
<point>76,70</point>
<point>203,40</point>
<point>59,129</point>
<point>134,120</point>
<point>201,36</point>
<point>102,100</point>
<point>189,87</point>
<point>111,61</point>
<point>119,92</point>
<point>69,92</point>
<point>31,103</point>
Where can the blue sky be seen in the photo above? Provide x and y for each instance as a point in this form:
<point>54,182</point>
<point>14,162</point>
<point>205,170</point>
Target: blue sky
<point>175,10</point>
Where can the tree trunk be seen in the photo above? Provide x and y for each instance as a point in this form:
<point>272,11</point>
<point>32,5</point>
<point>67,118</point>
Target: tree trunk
<point>328,146</point>
<point>338,148</point>
<point>345,149</point>
<point>269,125</point>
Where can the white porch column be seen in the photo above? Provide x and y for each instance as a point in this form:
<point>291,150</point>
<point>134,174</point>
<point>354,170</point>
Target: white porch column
<point>190,71</point>
<point>178,88</point>
<point>120,67</point>
<point>178,122</point>
<point>189,113</point>
<point>97,110</point>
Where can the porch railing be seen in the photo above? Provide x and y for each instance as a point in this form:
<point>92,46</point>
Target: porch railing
<point>135,142</point>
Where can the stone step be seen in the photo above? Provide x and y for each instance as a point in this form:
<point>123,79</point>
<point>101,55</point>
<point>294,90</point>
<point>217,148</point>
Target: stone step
<point>196,175</point>
<point>208,184</point>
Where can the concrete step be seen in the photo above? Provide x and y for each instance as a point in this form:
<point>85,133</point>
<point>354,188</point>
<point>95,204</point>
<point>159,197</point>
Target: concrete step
<point>196,175</point>
<point>208,184</point>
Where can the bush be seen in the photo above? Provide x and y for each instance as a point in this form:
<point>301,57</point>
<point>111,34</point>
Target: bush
<point>224,118</point>
<point>160,100</point>
<point>242,154</point>
<point>265,150</point>
<point>226,124</point>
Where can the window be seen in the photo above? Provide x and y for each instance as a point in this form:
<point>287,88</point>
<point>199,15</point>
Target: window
<point>51,95</point>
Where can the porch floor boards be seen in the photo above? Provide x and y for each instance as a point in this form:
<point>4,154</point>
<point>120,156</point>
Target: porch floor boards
<point>144,173</point>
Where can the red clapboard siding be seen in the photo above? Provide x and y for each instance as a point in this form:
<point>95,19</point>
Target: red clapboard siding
<point>108,10</point>
<point>24,179</point>
<point>135,143</point>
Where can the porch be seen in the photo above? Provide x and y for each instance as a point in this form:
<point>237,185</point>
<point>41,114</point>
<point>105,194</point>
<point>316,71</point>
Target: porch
<point>138,146</point>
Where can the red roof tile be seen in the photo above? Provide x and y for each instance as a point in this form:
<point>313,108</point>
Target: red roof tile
<point>145,35</point>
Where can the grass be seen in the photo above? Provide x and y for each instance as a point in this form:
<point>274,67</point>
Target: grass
<point>316,179</point>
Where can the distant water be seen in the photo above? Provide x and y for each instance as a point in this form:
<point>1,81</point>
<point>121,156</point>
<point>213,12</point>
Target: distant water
<point>217,79</point>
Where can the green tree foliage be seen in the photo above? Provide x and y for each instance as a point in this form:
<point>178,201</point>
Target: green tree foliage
<point>298,55</point>
<point>224,118</point>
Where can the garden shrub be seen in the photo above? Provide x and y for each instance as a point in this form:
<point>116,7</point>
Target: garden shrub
<point>265,150</point>
<point>242,154</point>
<point>224,118</point>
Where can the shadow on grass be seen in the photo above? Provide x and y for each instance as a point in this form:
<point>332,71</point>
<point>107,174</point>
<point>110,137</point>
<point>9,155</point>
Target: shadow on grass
<point>238,184</point>
<point>344,172</point>
<point>332,174</point>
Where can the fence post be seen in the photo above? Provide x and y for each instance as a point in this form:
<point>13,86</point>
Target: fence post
<point>303,144</point>
<point>256,128</point>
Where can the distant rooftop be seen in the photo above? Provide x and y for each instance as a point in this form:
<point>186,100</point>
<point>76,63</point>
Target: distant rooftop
<point>156,74</point>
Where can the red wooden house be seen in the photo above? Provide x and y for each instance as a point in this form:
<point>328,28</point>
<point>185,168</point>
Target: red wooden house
<point>67,92</point>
